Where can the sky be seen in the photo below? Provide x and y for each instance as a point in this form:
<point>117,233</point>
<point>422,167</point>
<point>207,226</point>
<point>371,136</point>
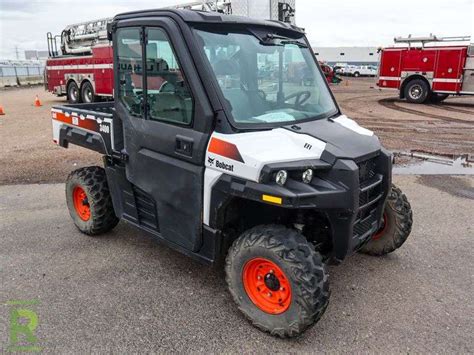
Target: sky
<point>24,23</point>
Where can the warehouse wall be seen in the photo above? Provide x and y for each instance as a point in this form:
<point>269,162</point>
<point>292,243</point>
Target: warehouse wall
<point>349,55</point>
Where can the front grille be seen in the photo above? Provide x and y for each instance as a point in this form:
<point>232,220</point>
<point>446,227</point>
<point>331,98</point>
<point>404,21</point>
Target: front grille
<point>367,170</point>
<point>370,195</point>
<point>363,226</point>
<point>368,192</point>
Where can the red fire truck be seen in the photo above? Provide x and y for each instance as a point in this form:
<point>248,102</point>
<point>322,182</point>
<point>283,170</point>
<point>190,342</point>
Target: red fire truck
<point>428,73</point>
<point>82,68</point>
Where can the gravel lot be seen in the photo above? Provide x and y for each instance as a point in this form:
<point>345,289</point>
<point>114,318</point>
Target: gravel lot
<point>446,128</point>
<point>27,154</point>
<point>124,293</point>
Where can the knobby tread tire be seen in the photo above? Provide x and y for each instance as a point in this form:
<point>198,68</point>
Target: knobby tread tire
<point>94,182</point>
<point>400,215</point>
<point>305,269</point>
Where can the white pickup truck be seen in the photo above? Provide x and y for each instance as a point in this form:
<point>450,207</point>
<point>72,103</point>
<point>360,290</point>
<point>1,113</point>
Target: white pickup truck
<point>363,70</point>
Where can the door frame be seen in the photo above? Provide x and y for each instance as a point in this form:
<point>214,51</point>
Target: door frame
<point>199,131</point>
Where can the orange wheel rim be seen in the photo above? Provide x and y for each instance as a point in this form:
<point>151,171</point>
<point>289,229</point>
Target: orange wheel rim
<point>267,286</point>
<point>81,203</point>
<point>382,229</point>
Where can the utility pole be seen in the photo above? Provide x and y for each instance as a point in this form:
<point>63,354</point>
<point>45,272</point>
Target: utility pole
<point>17,53</point>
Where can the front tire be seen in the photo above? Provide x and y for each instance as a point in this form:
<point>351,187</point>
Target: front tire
<point>417,91</point>
<point>89,202</point>
<point>356,74</point>
<point>396,225</point>
<point>277,279</point>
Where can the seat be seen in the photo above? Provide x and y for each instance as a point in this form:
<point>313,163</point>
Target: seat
<point>168,106</point>
<point>244,104</point>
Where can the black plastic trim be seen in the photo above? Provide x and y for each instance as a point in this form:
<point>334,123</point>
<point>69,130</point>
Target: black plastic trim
<point>125,205</point>
<point>333,192</point>
<point>81,137</point>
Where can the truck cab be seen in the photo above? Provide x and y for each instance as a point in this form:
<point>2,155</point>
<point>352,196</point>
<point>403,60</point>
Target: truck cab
<point>215,146</point>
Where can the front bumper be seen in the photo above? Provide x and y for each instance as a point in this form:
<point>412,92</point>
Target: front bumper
<point>351,193</point>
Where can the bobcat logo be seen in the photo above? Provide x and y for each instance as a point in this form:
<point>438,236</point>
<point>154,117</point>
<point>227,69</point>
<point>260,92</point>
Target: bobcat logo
<point>210,161</point>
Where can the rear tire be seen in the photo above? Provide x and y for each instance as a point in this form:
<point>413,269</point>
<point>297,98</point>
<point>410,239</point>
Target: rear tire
<point>417,91</point>
<point>89,202</point>
<point>293,291</point>
<point>356,74</point>
<point>87,93</point>
<point>396,225</point>
<point>73,93</point>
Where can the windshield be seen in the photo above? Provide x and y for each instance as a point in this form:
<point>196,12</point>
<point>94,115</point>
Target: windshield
<point>271,80</point>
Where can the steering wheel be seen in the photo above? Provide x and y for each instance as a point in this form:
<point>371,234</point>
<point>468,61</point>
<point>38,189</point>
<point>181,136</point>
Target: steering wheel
<point>301,97</point>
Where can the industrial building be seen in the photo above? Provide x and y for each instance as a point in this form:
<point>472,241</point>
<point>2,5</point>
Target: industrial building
<point>349,55</point>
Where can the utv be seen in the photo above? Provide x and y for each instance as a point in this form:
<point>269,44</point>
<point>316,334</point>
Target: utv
<point>212,147</point>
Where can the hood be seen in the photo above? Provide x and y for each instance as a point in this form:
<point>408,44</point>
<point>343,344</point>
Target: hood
<point>245,154</point>
<point>344,138</point>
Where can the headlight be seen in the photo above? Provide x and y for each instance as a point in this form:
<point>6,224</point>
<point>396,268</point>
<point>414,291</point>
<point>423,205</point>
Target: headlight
<point>280,177</point>
<point>307,176</point>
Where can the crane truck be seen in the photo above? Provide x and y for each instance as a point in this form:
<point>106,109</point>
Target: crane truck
<point>80,67</point>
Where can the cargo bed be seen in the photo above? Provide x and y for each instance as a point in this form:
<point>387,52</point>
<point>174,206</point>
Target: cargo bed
<point>86,125</point>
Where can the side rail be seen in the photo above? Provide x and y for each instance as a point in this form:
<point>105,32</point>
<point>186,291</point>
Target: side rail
<point>88,129</point>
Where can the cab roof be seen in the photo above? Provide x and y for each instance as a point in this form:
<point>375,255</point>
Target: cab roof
<point>205,17</point>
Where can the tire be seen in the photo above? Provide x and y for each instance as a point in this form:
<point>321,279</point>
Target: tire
<point>417,91</point>
<point>396,225</point>
<point>73,93</point>
<point>356,74</point>
<point>299,296</point>
<point>437,98</point>
<point>87,93</point>
<point>89,202</point>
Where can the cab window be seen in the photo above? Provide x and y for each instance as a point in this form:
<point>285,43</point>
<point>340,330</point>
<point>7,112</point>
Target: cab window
<point>130,71</point>
<point>168,95</point>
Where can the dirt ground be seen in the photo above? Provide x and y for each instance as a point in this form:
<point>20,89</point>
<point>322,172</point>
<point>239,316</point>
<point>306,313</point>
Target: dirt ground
<point>442,129</point>
<point>27,154</point>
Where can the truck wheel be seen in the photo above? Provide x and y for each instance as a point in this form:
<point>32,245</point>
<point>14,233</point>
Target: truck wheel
<point>396,225</point>
<point>417,91</point>
<point>89,202</point>
<point>73,94</point>
<point>277,279</point>
<point>87,93</point>
<point>356,74</point>
<point>437,98</point>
